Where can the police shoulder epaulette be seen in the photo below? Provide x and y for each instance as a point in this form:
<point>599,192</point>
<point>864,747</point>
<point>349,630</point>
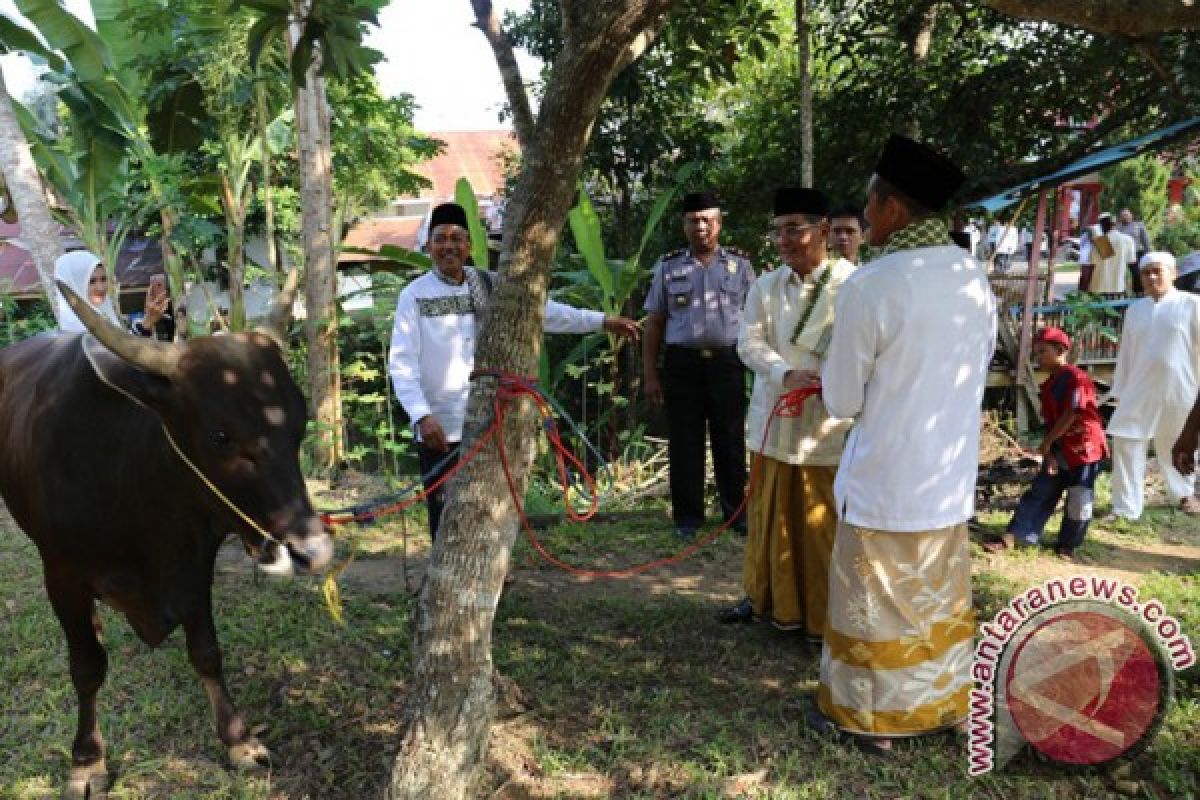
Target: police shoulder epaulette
<point>674,254</point>
<point>737,251</point>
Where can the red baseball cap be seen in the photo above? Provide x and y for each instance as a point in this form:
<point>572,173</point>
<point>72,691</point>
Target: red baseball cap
<point>1054,336</point>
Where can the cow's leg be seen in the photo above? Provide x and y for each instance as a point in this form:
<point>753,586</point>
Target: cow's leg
<point>76,611</point>
<point>245,751</point>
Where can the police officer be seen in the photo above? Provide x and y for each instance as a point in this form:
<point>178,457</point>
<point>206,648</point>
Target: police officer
<point>695,306</point>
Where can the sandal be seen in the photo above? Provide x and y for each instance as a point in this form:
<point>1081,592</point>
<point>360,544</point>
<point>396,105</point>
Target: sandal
<point>1000,544</point>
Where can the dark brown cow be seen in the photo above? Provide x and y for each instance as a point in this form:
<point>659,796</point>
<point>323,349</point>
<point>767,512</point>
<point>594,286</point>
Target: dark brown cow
<point>88,471</point>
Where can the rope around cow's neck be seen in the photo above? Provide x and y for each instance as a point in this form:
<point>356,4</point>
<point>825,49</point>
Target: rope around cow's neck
<point>212,487</point>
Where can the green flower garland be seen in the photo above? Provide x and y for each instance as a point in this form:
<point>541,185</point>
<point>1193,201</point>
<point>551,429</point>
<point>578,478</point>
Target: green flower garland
<point>818,288</point>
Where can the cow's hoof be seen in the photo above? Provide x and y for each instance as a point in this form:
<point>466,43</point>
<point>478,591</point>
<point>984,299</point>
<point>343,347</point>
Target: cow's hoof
<point>87,783</point>
<point>250,754</point>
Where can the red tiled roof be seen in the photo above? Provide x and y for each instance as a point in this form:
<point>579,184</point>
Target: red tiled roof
<point>18,275</point>
<point>474,155</point>
<point>373,232</point>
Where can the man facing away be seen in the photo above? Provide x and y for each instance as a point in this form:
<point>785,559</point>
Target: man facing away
<point>1111,253</point>
<point>695,307</point>
<point>1157,375</point>
<point>913,333</point>
<point>789,315</point>
<point>432,352</point>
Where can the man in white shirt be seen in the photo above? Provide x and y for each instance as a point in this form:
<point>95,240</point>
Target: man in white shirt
<point>1006,246</point>
<point>913,333</point>
<point>791,513</point>
<point>1157,375</point>
<point>1111,261</point>
<point>433,345</point>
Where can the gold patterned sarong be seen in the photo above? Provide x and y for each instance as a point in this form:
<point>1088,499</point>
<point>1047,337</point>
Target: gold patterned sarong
<point>791,522</point>
<point>898,649</point>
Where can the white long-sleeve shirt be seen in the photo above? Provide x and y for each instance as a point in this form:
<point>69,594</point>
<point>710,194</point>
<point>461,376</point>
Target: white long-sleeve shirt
<point>432,352</point>
<point>913,334</point>
<point>1109,274</point>
<point>1158,366</point>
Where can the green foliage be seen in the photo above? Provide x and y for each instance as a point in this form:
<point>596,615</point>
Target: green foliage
<point>1139,184</point>
<point>337,26</point>
<point>1087,313</point>
<point>19,321</point>
<point>374,145</point>
<point>464,195</point>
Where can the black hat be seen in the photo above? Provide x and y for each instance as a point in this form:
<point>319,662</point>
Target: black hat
<point>919,171</point>
<point>962,239</point>
<point>448,214</point>
<point>699,201</point>
<point>790,200</point>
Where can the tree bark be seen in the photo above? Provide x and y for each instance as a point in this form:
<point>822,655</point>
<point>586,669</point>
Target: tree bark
<point>919,44</point>
<point>320,273</point>
<point>510,72</point>
<point>1119,18</point>
<point>804,66</point>
<point>260,100</point>
<point>39,230</point>
<point>449,708</point>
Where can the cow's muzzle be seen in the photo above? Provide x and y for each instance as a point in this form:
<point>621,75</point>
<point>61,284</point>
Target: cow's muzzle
<point>306,551</point>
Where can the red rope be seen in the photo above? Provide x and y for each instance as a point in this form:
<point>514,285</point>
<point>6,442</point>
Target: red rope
<point>512,387</point>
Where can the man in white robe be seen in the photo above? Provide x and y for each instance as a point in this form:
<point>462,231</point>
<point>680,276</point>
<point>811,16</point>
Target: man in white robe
<point>1158,370</point>
<point>1111,262</point>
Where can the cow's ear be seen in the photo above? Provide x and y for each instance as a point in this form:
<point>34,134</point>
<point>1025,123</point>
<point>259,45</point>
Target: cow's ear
<point>141,387</point>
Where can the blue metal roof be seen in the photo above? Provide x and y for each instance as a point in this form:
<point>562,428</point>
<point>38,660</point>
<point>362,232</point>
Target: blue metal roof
<point>1089,163</point>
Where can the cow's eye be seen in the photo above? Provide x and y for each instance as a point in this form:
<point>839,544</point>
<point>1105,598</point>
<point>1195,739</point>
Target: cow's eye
<point>220,438</point>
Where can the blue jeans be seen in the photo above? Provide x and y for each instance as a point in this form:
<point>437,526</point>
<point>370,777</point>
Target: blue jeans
<point>1041,498</point>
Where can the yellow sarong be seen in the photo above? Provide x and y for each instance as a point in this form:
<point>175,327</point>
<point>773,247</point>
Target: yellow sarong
<point>897,654</point>
<point>791,526</point>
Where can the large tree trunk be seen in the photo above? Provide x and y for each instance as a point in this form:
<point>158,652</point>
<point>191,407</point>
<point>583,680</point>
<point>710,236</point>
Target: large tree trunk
<point>804,66</point>
<point>38,228</point>
<point>448,711</point>
<point>1125,19</point>
<point>320,274</point>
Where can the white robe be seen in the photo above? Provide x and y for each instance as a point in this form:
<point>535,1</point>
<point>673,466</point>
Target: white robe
<point>1158,371</point>
<point>1109,275</point>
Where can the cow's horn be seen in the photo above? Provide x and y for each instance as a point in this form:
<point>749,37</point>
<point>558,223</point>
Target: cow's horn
<point>149,355</point>
<point>279,314</point>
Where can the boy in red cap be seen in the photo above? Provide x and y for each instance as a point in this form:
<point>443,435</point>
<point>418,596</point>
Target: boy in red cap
<point>1071,451</point>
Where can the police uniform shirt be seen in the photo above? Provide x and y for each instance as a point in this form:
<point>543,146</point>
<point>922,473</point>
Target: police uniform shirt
<point>703,305</point>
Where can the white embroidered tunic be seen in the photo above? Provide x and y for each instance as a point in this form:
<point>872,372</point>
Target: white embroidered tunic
<point>432,352</point>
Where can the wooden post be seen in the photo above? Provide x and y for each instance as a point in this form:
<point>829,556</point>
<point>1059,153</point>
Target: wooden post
<point>1026,338</point>
<point>1052,236</point>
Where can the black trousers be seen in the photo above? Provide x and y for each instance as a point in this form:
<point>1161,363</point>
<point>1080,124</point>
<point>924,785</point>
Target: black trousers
<point>1135,279</point>
<point>432,468</point>
<point>705,393</point>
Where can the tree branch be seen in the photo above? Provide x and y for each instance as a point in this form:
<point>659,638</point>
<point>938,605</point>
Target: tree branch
<point>1131,18</point>
<point>510,72</point>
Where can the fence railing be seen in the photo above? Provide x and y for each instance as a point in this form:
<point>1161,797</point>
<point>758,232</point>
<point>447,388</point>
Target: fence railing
<point>1089,345</point>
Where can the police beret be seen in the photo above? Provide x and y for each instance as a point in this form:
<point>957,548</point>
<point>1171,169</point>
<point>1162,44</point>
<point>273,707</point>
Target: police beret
<point>699,201</point>
<point>448,214</point>
<point>791,200</point>
<point>919,171</point>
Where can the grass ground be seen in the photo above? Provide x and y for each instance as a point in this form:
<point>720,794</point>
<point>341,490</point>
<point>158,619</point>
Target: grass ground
<point>623,689</point>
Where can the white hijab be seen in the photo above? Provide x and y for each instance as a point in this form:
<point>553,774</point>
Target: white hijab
<point>75,270</point>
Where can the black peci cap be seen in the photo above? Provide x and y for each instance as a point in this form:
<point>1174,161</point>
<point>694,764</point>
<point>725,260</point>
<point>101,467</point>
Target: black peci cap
<point>792,200</point>
<point>448,214</point>
<point>699,201</point>
<point>919,171</point>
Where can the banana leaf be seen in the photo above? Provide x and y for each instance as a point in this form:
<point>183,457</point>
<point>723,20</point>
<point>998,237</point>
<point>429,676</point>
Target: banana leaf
<point>464,195</point>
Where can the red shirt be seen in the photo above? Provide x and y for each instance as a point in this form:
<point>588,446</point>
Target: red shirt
<point>1070,389</point>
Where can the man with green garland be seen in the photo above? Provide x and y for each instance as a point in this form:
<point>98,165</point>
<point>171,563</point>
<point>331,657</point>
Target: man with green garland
<point>792,514</point>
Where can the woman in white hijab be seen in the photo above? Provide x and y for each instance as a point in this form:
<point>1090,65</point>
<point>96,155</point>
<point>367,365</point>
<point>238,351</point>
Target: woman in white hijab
<point>84,273</point>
